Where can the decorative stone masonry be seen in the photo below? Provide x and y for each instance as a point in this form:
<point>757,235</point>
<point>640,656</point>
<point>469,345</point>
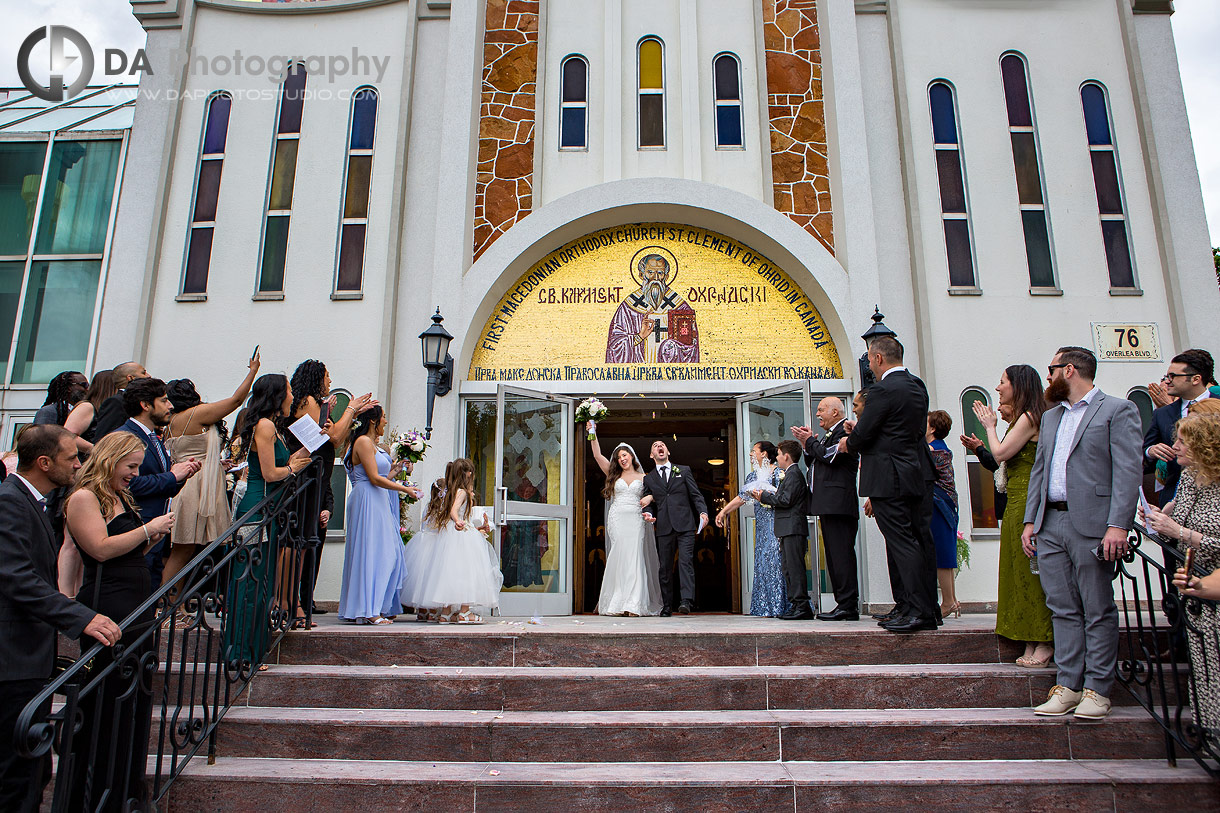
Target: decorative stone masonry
<point>800,169</point>
<point>504,183</point>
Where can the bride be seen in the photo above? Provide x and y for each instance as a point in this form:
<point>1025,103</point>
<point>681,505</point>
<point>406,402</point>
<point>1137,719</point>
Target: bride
<point>631,584</point>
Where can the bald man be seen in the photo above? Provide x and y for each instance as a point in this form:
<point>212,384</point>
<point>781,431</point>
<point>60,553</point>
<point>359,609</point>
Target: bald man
<point>833,499</point>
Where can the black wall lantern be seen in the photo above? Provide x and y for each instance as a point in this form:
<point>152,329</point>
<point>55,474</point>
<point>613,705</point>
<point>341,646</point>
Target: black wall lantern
<point>876,329</point>
<point>437,361</point>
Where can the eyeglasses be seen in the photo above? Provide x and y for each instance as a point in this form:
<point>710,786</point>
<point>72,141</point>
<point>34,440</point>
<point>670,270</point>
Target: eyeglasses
<point>1050,370</point>
<point>1171,376</point>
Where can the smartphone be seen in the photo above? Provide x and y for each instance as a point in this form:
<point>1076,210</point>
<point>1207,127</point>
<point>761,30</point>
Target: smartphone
<point>1100,552</point>
<point>255,353</point>
<point>1189,563</point>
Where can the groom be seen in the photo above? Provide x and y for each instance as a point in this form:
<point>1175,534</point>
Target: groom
<point>678,510</point>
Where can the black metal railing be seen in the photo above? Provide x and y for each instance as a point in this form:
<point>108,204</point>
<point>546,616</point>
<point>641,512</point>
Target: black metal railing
<point>133,715</point>
<point>1168,657</point>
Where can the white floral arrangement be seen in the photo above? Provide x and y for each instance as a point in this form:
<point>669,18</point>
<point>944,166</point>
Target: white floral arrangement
<point>408,446</point>
<point>593,410</point>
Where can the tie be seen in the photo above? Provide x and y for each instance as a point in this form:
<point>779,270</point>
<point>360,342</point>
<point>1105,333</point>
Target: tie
<point>665,473</point>
<point>43,502</point>
<point>161,453</point>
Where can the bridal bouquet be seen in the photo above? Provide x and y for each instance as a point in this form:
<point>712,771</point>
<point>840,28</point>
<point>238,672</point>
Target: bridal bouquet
<point>408,446</point>
<point>593,410</point>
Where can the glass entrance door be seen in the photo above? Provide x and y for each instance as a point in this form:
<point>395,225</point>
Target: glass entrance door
<point>533,504</point>
<point>767,415</point>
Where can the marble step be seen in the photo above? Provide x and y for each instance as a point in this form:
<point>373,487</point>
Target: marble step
<point>651,688</point>
<point>684,736</point>
<point>376,786</point>
<point>652,643</point>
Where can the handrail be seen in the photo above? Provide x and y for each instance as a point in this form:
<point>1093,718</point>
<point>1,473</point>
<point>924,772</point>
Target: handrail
<point>193,646</point>
<point>1164,657</point>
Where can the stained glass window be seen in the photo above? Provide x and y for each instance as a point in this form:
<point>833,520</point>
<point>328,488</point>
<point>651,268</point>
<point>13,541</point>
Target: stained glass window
<point>1108,185</point>
<point>574,104</point>
<point>951,175</point>
<point>651,94</point>
<point>357,182</point>
<point>1027,165</point>
<point>283,178</point>
<point>207,194</point>
<point>979,479</point>
<point>727,71</point>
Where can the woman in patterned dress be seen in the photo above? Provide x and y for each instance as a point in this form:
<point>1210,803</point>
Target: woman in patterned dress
<point>768,596</point>
<point>1192,518</point>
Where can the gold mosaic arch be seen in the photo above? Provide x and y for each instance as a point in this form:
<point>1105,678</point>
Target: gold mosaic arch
<point>654,302</point>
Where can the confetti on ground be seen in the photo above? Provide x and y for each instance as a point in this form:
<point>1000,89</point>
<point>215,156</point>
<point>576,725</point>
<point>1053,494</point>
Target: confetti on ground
<point>493,772</point>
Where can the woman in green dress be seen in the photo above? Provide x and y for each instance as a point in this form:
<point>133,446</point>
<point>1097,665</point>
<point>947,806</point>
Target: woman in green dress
<point>251,579</point>
<point>1021,611</point>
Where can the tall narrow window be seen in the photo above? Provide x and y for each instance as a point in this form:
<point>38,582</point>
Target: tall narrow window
<point>349,276</point>
<point>574,104</point>
<point>951,172</point>
<point>1108,184</point>
<point>283,176</point>
<point>1143,402</point>
<point>980,481</point>
<point>727,72</point>
<point>652,93</point>
<point>207,192</point>
<point>1027,162</point>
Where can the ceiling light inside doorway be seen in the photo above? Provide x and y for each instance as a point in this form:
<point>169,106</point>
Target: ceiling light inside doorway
<point>715,461</point>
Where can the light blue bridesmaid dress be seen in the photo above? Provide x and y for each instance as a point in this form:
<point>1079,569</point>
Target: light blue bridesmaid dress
<point>374,566</point>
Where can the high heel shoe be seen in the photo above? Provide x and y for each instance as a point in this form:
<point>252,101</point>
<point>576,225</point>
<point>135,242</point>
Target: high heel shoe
<point>954,609</point>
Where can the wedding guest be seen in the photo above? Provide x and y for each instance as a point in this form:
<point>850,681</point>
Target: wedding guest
<point>462,572</point>
<point>83,418</point>
<point>63,392</point>
<point>112,413</point>
<point>34,611</point>
<point>1190,373</point>
<point>311,396</point>
<point>1082,494</point>
<point>768,596</point>
<point>790,500</point>
<point>113,538</point>
<point>197,431</point>
<point>9,460</point>
<point>833,500</point>
<point>374,567</point>
<point>944,511</point>
<point>1192,519</point>
<point>159,479</point>
<point>1021,611</point>
<point>896,473</point>
<point>270,465</point>
<point>857,403</point>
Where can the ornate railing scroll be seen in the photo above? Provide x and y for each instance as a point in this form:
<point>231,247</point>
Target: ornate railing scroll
<point>132,716</point>
<point>1166,657</point>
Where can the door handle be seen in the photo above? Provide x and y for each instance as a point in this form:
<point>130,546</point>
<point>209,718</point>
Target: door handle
<point>502,506</point>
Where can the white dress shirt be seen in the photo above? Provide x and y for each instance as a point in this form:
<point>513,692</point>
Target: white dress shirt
<point>1200,397</point>
<point>892,370</point>
<point>38,495</point>
<point>1056,490</point>
<point>663,470</point>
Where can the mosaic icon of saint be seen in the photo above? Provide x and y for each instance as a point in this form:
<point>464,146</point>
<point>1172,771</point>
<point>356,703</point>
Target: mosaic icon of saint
<point>653,325</point>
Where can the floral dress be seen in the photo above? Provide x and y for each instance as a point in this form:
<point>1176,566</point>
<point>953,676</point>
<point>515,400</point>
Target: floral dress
<point>768,596</point>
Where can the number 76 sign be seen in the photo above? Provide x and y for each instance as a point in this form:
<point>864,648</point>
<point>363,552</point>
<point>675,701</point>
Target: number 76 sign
<point>1126,342</point>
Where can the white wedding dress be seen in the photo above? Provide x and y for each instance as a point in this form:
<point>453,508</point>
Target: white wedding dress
<point>631,583</point>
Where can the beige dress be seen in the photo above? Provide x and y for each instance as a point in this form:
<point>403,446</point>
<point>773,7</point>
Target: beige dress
<point>201,509</point>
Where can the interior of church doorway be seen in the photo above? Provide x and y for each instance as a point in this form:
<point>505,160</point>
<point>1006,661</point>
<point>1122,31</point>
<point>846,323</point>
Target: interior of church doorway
<point>701,436</point>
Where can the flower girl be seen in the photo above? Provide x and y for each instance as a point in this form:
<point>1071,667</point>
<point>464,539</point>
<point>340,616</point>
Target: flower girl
<point>452,566</point>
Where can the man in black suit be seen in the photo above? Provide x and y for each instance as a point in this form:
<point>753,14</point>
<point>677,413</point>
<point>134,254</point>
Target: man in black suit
<point>31,607</point>
<point>148,409</point>
<point>896,473</point>
<point>833,499</point>
<point>790,501</point>
<point>679,513</point>
<point>1190,372</point>
<point>112,414</point>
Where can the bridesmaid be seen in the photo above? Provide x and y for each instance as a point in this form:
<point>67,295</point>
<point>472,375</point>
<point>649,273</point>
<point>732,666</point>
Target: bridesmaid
<point>374,567</point>
<point>768,596</point>
<point>105,523</point>
<point>1021,612</point>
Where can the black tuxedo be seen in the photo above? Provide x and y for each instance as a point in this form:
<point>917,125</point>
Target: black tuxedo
<point>833,499</point>
<point>790,501</point>
<point>897,473</point>
<point>677,504</point>
<point>153,487</point>
<point>32,610</point>
<point>1163,430</point>
<point>110,417</point>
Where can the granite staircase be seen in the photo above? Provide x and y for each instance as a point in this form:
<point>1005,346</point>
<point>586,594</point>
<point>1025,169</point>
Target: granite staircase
<point>703,713</point>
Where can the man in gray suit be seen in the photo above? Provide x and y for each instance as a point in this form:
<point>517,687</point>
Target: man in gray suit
<point>1082,494</point>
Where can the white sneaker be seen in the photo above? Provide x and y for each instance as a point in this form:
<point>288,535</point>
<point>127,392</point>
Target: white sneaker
<point>1059,701</point>
<point>1093,706</point>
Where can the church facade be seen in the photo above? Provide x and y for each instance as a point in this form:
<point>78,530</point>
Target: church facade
<point>688,209</point>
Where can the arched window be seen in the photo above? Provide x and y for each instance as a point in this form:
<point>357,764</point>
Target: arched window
<point>207,192</point>
<point>349,274</point>
<point>1108,184</point>
<point>1031,194</point>
<point>951,172</point>
<point>279,191</point>
<point>982,485</point>
<point>727,71</point>
<point>1143,402</point>
<point>574,104</point>
<point>651,69</point>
